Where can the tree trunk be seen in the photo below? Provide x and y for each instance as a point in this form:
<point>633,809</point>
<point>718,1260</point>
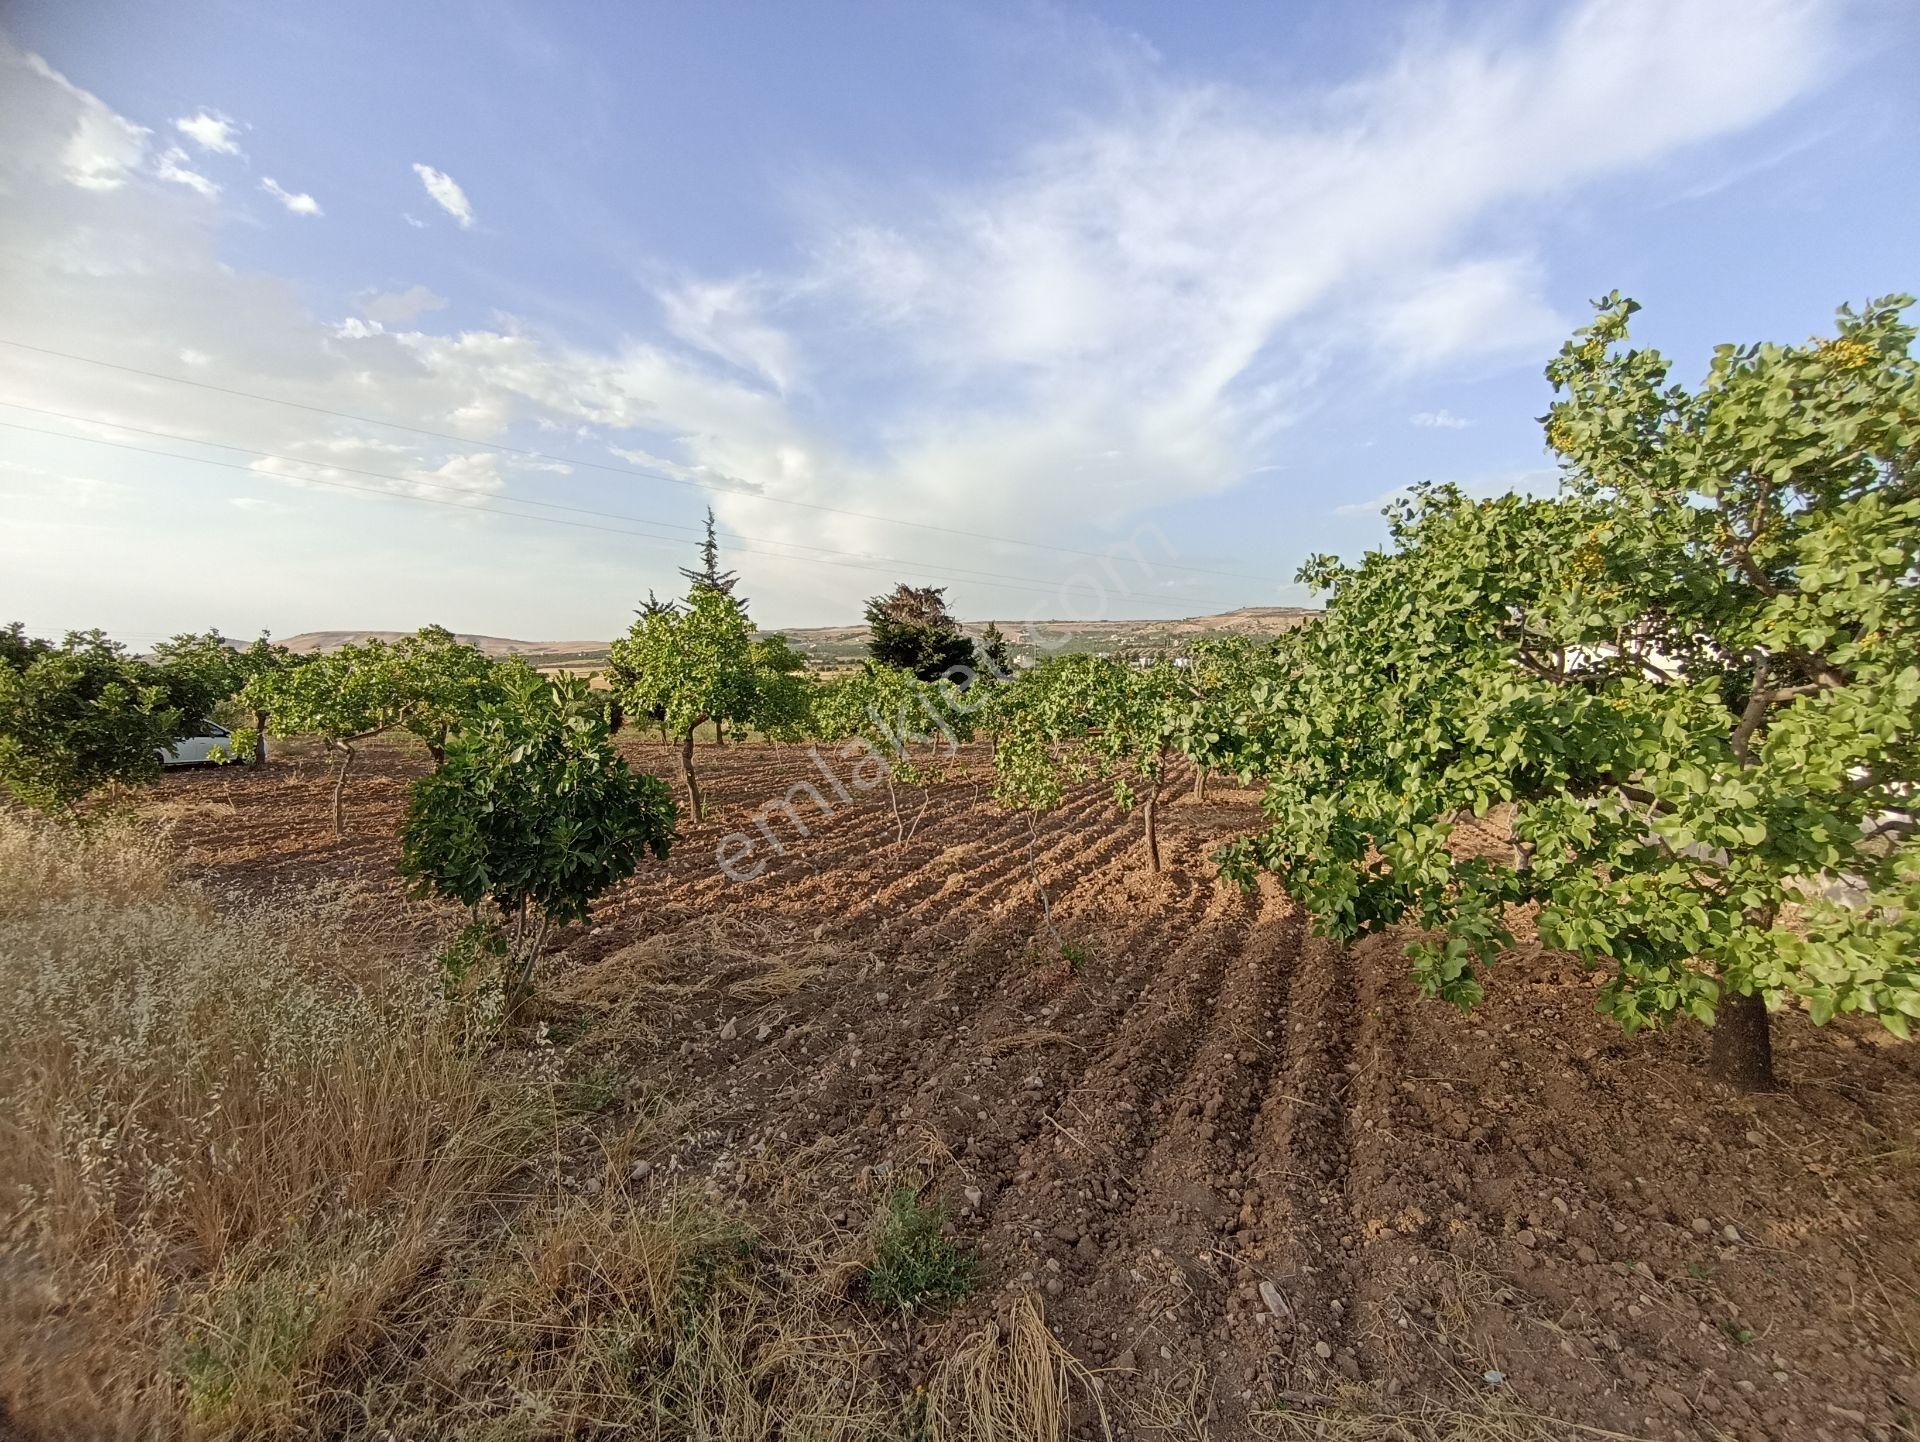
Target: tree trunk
<point>1743,1043</point>
<point>523,951</point>
<point>340,783</point>
<point>719,732</point>
<point>437,749</point>
<point>686,773</point>
<point>259,738</point>
<point>1153,835</point>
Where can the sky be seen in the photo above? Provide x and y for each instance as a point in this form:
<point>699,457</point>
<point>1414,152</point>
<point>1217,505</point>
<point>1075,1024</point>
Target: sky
<point>364,316</point>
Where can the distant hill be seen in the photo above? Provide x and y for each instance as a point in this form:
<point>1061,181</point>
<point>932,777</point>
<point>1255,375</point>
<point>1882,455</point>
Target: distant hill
<point>841,645</point>
<point>309,642</point>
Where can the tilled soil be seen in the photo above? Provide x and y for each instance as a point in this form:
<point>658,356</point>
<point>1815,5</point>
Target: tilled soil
<point>1247,1169</point>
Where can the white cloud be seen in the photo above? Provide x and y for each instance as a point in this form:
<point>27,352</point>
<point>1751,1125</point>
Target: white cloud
<point>1176,279</point>
<point>723,318</point>
<point>1440,420</point>
<point>1485,307</point>
<point>210,131</point>
<point>446,193</point>
<point>399,307</point>
<point>298,203</point>
<point>99,151</point>
<point>172,166</point>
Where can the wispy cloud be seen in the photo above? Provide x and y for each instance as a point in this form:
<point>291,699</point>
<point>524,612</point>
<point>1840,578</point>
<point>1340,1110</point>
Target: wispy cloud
<point>172,165</point>
<point>446,193</point>
<point>299,202</point>
<point>1127,311</point>
<point>1440,420</point>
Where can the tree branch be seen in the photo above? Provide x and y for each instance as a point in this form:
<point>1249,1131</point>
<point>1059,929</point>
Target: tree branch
<point>1758,698</point>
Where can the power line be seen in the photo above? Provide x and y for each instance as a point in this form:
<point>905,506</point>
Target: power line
<point>1039,590</point>
<point>958,572</point>
<point>644,474</point>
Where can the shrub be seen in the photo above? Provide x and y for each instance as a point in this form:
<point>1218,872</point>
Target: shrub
<point>535,812</point>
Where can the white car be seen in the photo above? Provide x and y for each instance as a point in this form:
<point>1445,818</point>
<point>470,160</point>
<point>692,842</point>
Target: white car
<point>199,749</point>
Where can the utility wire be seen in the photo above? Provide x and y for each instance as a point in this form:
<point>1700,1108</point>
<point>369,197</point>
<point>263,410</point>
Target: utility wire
<point>644,474</point>
<point>1038,590</point>
<point>77,419</point>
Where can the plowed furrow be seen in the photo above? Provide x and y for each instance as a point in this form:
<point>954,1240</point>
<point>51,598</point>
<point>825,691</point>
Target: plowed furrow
<point>1302,1237</point>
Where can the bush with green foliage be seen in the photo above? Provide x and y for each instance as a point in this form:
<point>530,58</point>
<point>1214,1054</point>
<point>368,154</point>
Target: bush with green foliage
<point>79,713</point>
<point>1693,675</point>
<point>534,812</point>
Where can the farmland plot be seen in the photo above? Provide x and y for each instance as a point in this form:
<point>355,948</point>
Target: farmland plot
<point>1249,1182</point>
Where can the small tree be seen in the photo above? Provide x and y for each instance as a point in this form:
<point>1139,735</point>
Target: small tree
<point>438,680</point>
<point>1085,715</point>
<point>533,811</point>
<point>909,629</point>
<point>259,664</point>
<point>892,711</point>
<point>80,713</point>
<point>688,667</point>
<point>782,693</point>
<point>1692,677</point>
<point>342,697</point>
<point>1219,676</point>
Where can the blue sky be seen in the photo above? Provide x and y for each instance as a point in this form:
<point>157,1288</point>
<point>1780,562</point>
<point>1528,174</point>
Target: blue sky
<point>1204,283</point>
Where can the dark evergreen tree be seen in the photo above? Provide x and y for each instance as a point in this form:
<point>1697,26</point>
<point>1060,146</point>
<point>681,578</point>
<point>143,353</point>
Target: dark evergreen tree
<point>710,575</point>
<point>654,606</point>
<point>910,630</point>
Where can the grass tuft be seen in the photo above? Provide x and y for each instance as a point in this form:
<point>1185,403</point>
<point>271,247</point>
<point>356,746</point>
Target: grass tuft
<point>915,1264</point>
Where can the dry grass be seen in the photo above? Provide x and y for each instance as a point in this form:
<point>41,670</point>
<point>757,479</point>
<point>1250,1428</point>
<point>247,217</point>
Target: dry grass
<point>1361,1418</point>
<point>221,1148</point>
<point>257,1186</point>
<point>1013,1382</point>
<point>641,988</point>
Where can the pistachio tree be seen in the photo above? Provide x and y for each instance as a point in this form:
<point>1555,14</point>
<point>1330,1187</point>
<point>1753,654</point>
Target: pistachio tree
<point>1079,716</point>
<point>79,713</point>
<point>1218,675</point>
<point>1688,685</point>
<point>892,712</point>
<point>423,684</point>
<point>533,812</point>
<point>687,667</point>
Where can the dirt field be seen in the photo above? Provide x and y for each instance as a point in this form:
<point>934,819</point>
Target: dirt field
<point>1251,1179</point>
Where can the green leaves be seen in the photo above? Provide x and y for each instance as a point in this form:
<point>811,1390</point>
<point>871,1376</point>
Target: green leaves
<point>1689,677</point>
<point>533,806</point>
<point>77,714</point>
<point>1077,716</point>
<point>683,667</point>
